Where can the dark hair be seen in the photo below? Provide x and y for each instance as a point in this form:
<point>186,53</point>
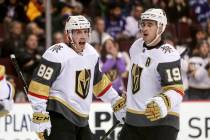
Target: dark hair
<point>201,43</point>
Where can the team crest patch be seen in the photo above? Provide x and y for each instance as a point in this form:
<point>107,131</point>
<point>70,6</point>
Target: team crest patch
<point>83,83</point>
<point>136,77</point>
<point>112,74</point>
<point>166,49</point>
<point>56,48</point>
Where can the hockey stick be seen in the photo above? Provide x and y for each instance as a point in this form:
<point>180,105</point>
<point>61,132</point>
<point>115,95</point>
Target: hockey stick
<point>19,72</point>
<point>110,130</point>
<point>20,75</point>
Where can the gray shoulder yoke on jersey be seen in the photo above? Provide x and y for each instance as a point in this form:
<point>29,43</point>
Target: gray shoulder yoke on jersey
<point>46,72</point>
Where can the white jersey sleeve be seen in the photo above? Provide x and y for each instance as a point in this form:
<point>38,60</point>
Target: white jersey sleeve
<point>6,93</point>
<point>169,69</point>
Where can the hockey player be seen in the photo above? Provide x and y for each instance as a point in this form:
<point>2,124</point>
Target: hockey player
<point>155,89</point>
<point>62,86</point>
<point>6,93</point>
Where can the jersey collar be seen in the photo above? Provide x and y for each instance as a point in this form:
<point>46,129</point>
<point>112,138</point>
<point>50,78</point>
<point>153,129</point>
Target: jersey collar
<point>152,47</point>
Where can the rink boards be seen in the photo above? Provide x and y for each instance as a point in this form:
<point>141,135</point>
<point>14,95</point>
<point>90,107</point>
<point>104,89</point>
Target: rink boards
<point>195,122</point>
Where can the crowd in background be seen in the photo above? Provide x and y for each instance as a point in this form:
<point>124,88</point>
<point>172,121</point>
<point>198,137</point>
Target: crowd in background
<point>114,28</point>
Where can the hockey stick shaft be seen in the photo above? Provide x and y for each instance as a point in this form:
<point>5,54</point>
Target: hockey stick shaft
<point>20,75</point>
<point>19,72</point>
<point>110,130</point>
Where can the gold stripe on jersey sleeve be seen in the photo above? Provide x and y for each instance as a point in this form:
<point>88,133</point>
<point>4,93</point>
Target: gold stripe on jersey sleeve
<point>101,85</point>
<point>39,88</point>
<point>135,111</point>
<point>2,70</point>
<point>68,106</point>
<point>177,88</point>
<point>173,114</point>
<point>3,113</point>
<point>166,100</point>
<point>142,112</point>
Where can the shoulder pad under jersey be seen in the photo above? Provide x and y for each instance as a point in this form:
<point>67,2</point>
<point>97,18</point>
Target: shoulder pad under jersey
<point>58,53</point>
<point>136,47</point>
<point>167,53</point>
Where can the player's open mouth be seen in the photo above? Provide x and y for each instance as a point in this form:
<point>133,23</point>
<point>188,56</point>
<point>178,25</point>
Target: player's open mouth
<point>145,34</point>
<point>81,43</point>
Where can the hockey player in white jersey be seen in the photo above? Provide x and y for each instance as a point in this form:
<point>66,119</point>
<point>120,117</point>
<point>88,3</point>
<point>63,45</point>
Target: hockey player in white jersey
<point>63,84</point>
<point>6,93</point>
<point>155,89</point>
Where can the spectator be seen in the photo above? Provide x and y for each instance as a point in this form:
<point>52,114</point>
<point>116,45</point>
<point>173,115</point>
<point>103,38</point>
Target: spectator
<point>98,35</point>
<point>126,6</point>
<point>29,56</point>
<point>58,37</point>
<point>208,31</point>
<point>199,79</point>
<point>33,28</point>
<point>98,8</point>
<point>179,8</point>
<point>201,11</point>
<point>131,27</point>
<point>113,64</point>
<point>12,10</point>
<point>60,16</point>
<point>14,40</point>
<point>98,48</point>
<point>198,37</point>
<point>77,8</point>
<point>115,23</point>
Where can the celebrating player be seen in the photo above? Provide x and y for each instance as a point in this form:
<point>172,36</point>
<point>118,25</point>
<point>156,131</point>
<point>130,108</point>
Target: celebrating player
<point>62,86</point>
<point>155,88</point>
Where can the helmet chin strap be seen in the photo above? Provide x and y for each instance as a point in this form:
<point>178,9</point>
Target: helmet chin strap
<point>72,43</point>
<point>71,40</point>
<point>156,38</point>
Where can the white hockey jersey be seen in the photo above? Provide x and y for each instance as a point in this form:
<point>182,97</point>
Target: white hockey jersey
<point>154,70</point>
<point>6,93</point>
<point>67,80</point>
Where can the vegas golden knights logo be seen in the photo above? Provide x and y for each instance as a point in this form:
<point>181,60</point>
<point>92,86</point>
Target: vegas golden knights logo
<point>82,82</point>
<point>112,74</point>
<point>136,77</point>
